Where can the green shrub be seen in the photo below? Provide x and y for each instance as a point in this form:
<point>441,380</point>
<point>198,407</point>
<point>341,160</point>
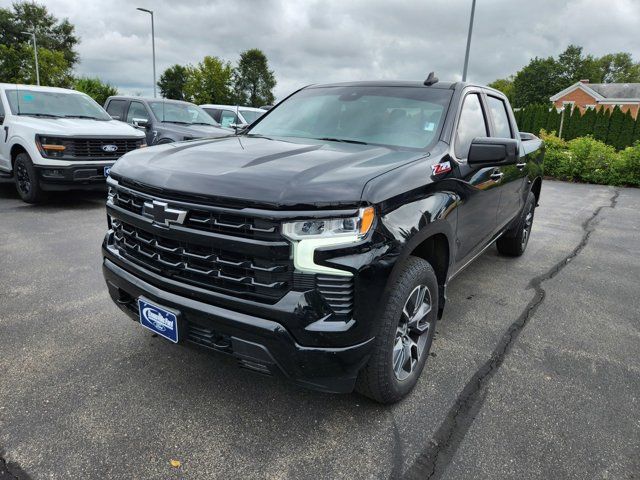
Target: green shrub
<point>585,159</point>
<point>629,166</point>
<point>592,161</point>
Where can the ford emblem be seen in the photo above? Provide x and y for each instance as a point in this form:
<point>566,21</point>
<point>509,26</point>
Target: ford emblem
<point>110,148</point>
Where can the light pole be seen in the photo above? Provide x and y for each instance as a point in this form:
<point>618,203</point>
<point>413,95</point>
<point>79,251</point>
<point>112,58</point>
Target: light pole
<point>153,46</point>
<point>561,122</point>
<point>466,55</point>
<point>35,53</point>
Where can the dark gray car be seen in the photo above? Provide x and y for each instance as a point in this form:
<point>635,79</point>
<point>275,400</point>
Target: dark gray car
<point>164,121</point>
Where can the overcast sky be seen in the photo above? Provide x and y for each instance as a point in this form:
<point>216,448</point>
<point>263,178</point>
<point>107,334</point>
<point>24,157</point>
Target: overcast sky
<point>309,41</point>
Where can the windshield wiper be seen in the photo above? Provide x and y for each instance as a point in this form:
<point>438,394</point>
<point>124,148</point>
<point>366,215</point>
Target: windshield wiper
<point>49,115</point>
<point>203,123</point>
<point>83,116</point>
<point>177,121</point>
<point>341,140</point>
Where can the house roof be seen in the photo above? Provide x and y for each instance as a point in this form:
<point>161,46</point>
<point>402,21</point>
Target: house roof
<point>604,91</point>
<point>616,90</point>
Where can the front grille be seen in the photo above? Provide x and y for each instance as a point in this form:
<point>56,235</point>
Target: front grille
<point>209,220</point>
<point>336,291</point>
<point>208,338</point>
<point>92,148</point>
<point>263,279</point>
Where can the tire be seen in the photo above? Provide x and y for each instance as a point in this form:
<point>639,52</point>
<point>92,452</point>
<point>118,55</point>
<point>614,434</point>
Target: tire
<point>26,179</point>
<point>513,244</point>
<point>383,379</point>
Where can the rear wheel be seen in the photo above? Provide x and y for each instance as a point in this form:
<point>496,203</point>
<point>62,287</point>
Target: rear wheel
<point>406,329</point>
<point>515,243</point>
<point>26,179</point>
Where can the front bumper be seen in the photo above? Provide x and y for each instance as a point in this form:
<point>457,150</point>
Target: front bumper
<point>257,343</point>
<point>75,177</point>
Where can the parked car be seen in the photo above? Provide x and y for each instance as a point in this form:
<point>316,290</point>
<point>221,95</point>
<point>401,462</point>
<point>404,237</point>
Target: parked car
<point>229,116</point>
<point>164,121</point>
<point>58,139</point>
<point>320,242</point>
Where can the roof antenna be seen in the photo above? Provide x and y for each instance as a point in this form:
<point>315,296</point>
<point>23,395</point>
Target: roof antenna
<point>431,79</point>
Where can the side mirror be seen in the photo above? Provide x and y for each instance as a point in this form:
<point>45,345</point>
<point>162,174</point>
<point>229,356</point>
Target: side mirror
<point>140,122</point>
<point>488,152</point>
<point>238,127</point>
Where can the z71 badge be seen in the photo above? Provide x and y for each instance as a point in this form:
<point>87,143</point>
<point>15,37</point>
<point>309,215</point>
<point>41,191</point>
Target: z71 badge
<point>440,168</point>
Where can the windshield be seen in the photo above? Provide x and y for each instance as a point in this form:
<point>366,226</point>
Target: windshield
<point>408,117</point>
<point>181,113</point>
<point>250,115</point>
<point>54,104</point>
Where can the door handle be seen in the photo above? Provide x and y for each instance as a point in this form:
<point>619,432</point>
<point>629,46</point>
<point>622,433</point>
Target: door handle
<point>521,165</point>
<point>497,176</point>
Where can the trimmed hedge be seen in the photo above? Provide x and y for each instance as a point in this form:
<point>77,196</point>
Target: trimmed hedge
<point>614,128</point>
<point>585,159</point>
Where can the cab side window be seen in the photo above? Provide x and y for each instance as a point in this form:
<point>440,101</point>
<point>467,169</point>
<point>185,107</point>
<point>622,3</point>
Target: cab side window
<point>116,109</point>
<point>214,113</point>
<point>227,118</point>
<point>500,118</point>
<point>137,111</point>
<point>471,124</point>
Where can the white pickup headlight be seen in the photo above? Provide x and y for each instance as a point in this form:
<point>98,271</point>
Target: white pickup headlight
<point>308,235</point>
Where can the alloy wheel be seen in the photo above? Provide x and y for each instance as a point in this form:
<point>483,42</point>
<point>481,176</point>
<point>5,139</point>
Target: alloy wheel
<point>412,332</point>
<point>22,175</point>
<point>528,223</point>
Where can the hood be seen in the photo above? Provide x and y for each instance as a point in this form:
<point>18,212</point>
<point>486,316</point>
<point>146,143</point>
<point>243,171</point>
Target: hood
<point>70,127</point>
<point>195,131</point>
<point>261,171</point>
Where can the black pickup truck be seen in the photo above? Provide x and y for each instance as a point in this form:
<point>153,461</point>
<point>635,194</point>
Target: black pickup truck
<point>319,243</point>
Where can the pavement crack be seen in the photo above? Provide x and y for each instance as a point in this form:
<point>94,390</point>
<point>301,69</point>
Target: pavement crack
<point>433,462</point>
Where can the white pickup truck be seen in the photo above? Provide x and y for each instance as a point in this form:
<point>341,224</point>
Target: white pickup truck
<point>58,139</point>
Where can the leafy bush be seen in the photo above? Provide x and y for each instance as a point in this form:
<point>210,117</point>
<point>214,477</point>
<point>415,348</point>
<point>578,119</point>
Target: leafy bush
<point>585,159</point>
<point>630,165</point>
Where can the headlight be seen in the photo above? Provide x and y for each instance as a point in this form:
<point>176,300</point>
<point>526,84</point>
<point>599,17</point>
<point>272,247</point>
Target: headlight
<point>50,146</point>
<point>308,235</point>
<point>331,228</point>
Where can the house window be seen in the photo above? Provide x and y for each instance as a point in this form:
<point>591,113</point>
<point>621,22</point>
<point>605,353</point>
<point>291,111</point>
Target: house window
<point>589,107</point>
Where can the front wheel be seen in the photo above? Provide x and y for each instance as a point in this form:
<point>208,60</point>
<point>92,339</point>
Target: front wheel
<point>515,243</point>
<point>26,179</point>
<point>406,327</point>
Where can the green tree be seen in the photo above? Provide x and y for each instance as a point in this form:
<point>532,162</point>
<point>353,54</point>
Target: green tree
<point>540,118</point>
<point>571,125</point>
<point>173,82</point>
<point>615,126</point>
<point>574,66</point>
<point>553,120</point>
<point>601,126</point>
<point>619,68</point>
<point>253,81</point>
<point>505,85</point>
<point>209,82</point>
<point>543,77</point>
<point>95,88</point>
<point>537,81</point>
<point>56,45</point>
<point>625,138</point>
<point>588,122</point>
<point>636,131</point>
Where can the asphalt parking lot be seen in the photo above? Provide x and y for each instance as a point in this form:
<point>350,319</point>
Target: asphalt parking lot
<point>535,373</point>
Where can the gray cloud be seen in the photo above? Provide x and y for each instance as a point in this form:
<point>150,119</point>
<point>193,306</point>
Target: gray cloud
<point>314,41</point>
